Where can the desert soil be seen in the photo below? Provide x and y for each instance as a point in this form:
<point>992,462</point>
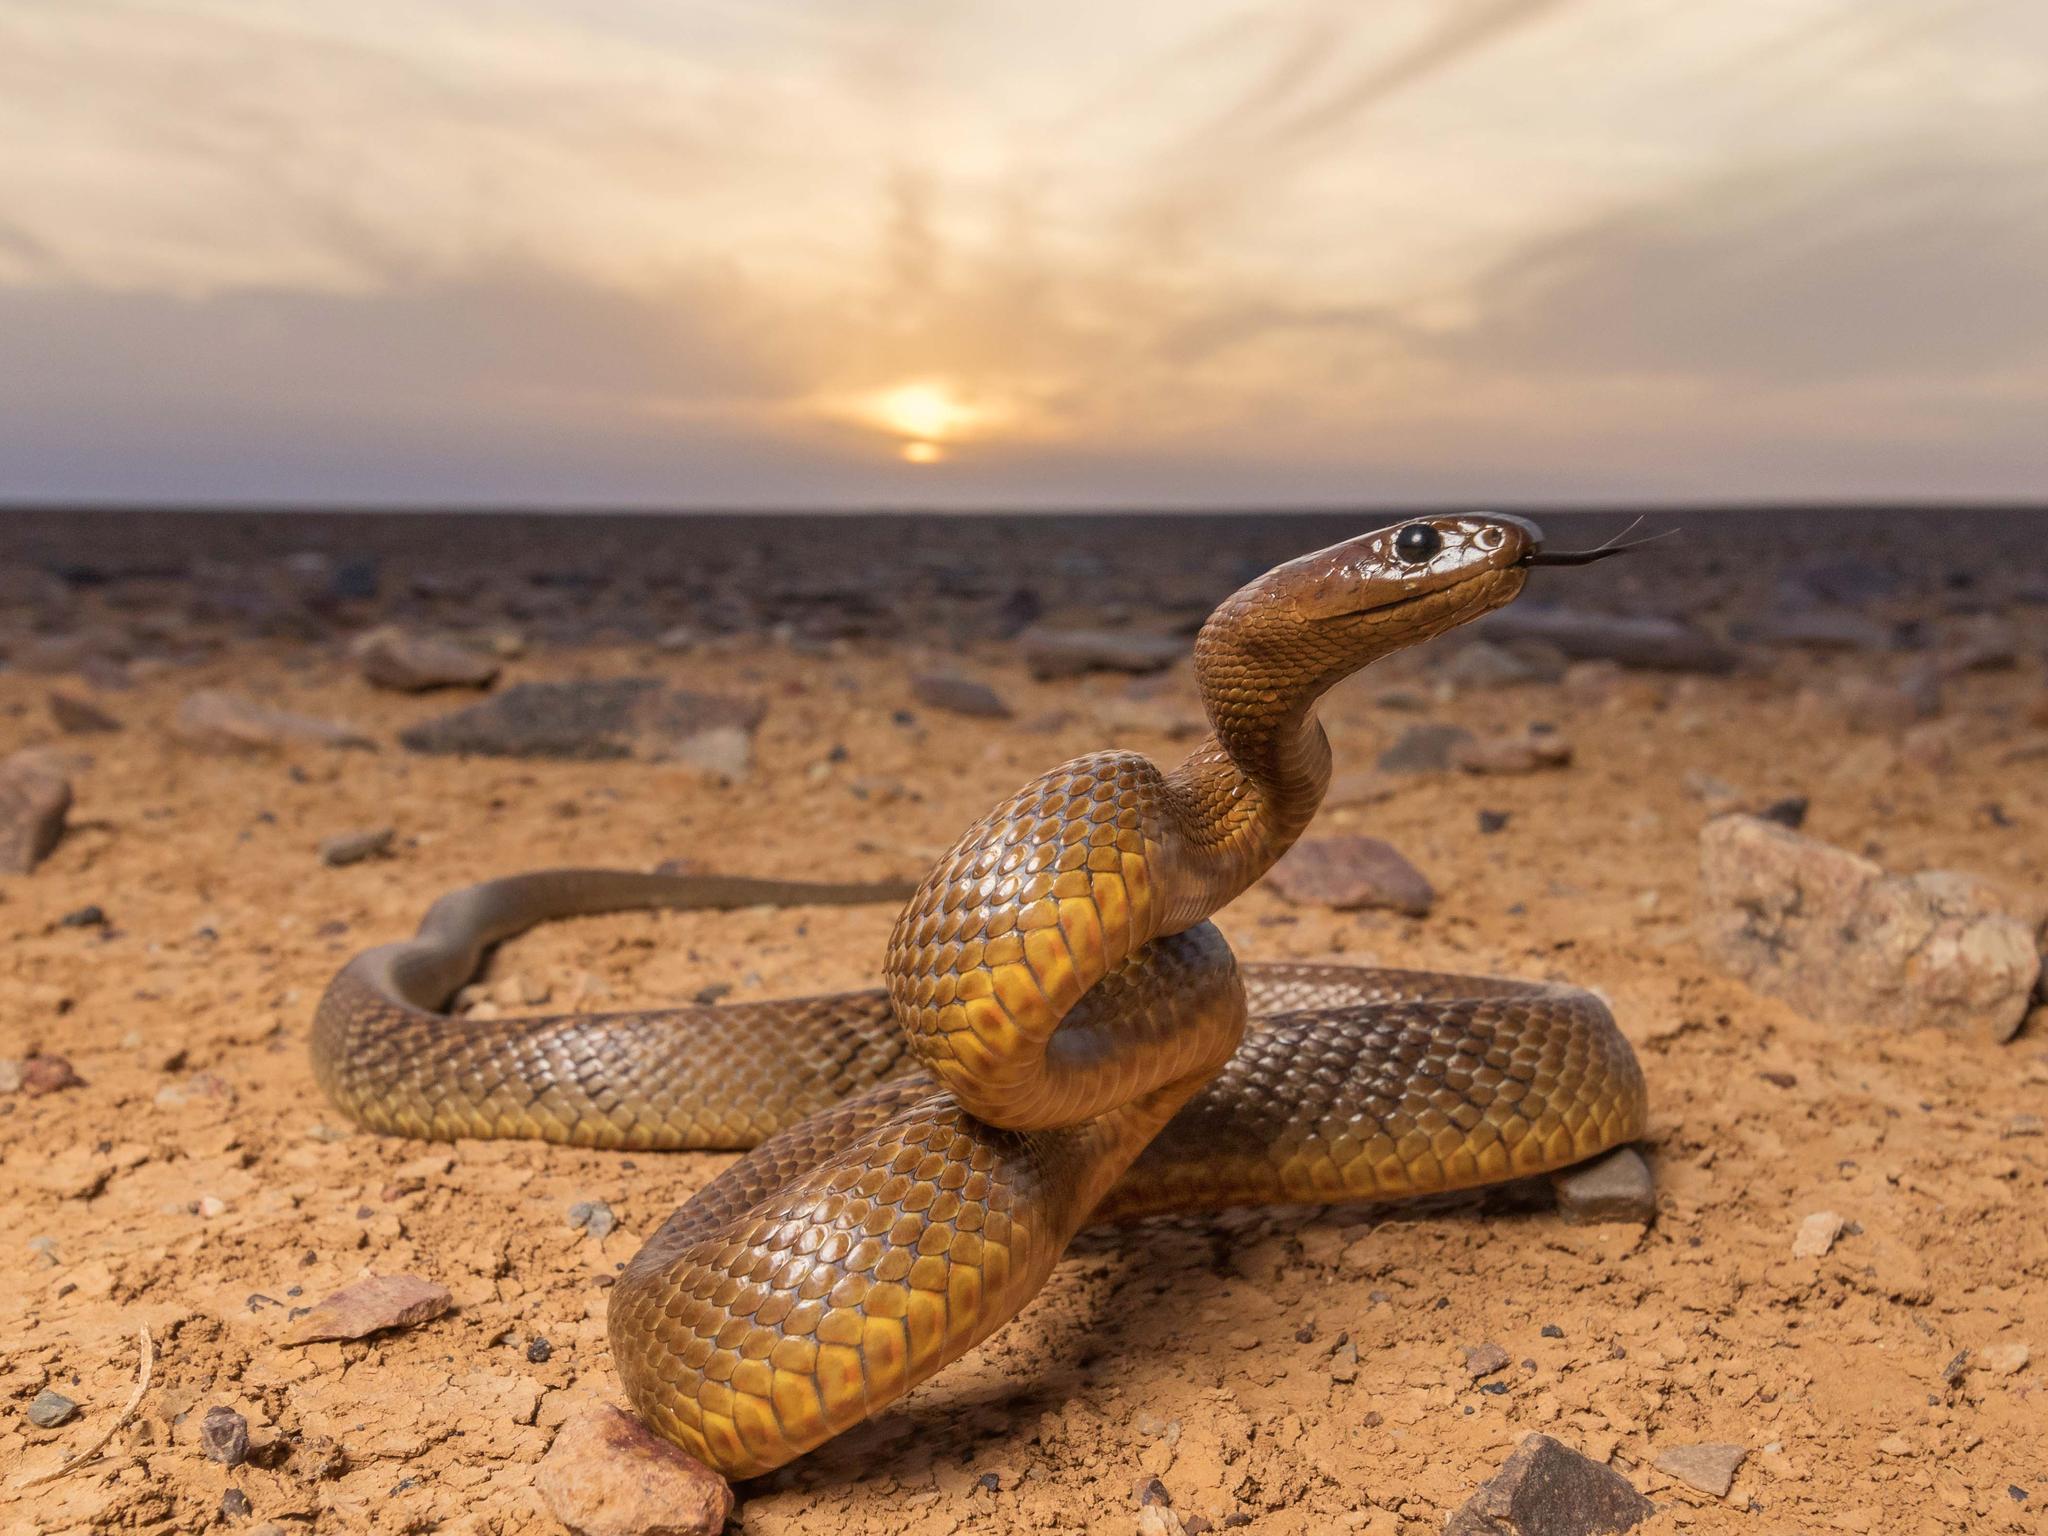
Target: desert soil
<point>197,1184</point>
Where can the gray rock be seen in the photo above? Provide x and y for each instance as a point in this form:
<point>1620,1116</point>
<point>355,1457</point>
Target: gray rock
<point>1649,643</point>
<point>1055,653</point>
<point>594,1217</point>
<point>213,720</point>
<point>1709,1468</point>
<point>959,696</point>
<point>35,798</point>
<point>1842,941</point>
<point>354,847</point>
<point>606,1475</point>
<point>1548,1489</point>
<point>1535,749</point>
<point>1490,664</point>
<point>1424,749</point>
<point>605,719</point>
<point>224,1436</point>
<point>394,658</point>
<point>1616,1187</point>
<point>80,717</point>
<point>1350,873</point>
<point>51,1409</point>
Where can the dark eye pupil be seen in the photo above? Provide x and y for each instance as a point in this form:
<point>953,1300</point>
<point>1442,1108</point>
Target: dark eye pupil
<point>1417,542</point>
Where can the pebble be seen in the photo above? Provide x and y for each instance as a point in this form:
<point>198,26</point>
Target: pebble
<point>1060,653</point>
<point>35,799</point>
<point>1538,748</point>
<point>1613,1188</point>
<point>2003,1359</point>
<point>606,1475</point>
<point>1708,1467</point>
<point>1836,937</point>
<point>234,1505</point>
<point>397,659</point>
<point>594,1217</point>
<point>80,717</point>
<point>1426,748</point>
<point>539,1351</point>
<point>597,720</point>
<point>224,1436</point>
<point>48,1074</point>
<point>1485,1359</point>
<point>1545,1488</point>
<point>50,1409</point>
<point>959,696</point>
<point>1347,874</point>
<point>1490,664</point>
<point>1816,1235</point>
<point>214,720</point>
<point>379,1302</point>
<point>1651,643</point>
<point>354,847</point>
<point>93,916</point>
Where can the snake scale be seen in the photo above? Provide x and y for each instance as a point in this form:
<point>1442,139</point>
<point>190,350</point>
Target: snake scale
<point>1064,1037</point>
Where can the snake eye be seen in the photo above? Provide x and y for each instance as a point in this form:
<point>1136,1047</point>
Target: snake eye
<point>1417,544</point>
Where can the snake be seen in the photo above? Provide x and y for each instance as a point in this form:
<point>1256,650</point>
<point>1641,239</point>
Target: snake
<point>1062,1037</point>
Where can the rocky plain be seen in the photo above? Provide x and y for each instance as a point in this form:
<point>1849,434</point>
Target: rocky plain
<point>1776,788</point>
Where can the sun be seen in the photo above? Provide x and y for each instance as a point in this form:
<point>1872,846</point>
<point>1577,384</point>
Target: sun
<point>922,451</point>
<point>925,411</point>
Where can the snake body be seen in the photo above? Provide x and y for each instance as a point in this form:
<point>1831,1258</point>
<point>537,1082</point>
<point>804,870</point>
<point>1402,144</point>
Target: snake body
<point>1063,1037</point>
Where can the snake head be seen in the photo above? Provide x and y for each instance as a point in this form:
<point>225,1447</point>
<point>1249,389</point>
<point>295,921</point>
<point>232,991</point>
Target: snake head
<point>1408,581</point>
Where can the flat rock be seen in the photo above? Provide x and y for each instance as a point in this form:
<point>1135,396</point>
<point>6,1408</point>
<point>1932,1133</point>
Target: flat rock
<point>214,720</point>
<point>959,696</point>
<point>607,1475</point>
<point>1350,873</point>
<point>1529,752</point>
<point>1816,1235</point>
<point>1548,1489</point>
<point>604,719</point>
<point>1842,941</point>
<point>80,717</point>
<point>1646,643</point>
<point>1614,1188</point>
<point>35,798</point>
<point>1492,664</point>
<point>354,847</point>
<point>1709,1468</point>
<point>50,1409</point>
<point>44,1073</point>
<point>379,1302</point>
<point>398,659</point>
<point>1426,748</point>
<point>1055,653</point>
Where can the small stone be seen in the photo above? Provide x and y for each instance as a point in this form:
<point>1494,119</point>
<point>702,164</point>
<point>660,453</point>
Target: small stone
<point>1548,1489</point>
<point>1816,1235</point>
<point>594,1217</point>
<point>1424,748</point>
<point>2003,1359</point>
<point>394,658</point>
<point>1150,1490</point>
<point>93,916</point>
<point>1528,753</point>
<point>213,720</point>
<point>1488,664</point>
<point>539,1351</point>
<point>2023,1125</point>
<point>1059,653</point>
<point>1349,873</point>
<point>234,1504</point>
<point>1616,1187</point>
<point>959,696</point>
<point>35,799</point>
<point>51,1409</point>
<point>47,1074</point>
<point>605,1475</point>
<point>1491,822</point>
<point>596,720</point>
<point>1158,1520</point>
<point>80,717</point>
<point>1485,1359</point>
<point>379,1302</point>
<point>346,848</point>
<point>1709,1468</point>
<point>224,1436</point>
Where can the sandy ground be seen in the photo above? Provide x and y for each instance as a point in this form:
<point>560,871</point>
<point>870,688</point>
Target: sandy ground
<point>197,1183</point>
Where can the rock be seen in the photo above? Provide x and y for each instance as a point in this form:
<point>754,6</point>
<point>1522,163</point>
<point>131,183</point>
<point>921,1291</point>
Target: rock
<point>48,1074</point>
<point>1840,940</point>
<point>2003,1359</point>
<point>1816,1235</point>
<point>1548,1489</point>
<point>1485,1359</point>
<point>213,720</point>
<point>594,1217</point>
<point>1818,629</point>
<point>959,696</point>
<point>35,797</point>
<point>1057,653</point>
<point>10,1075</point>
<point>1709,1468</point>
<point>1489,664</point>
<point>1655,644</point>
<point>1424,749</point>
<point>224,1436</point>
<point>605,1475</point>
<point>379,1302</point>
<point>92,915</point>
<point>80,717</point>
<point>1983,642</point>
<point>394,658</point>
<point>234,1505</point>
<point>1540,747</point>
<point>1788,812</point>
<point>354,847</point>
<point>604,719</point>
<point>1350,873</point>
<point>51,1409</point>
<point>1616,1187</point>
<point>1875,706</point>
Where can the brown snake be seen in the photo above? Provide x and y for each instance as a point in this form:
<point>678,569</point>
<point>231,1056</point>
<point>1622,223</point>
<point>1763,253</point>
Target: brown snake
<point>1063,1039</point>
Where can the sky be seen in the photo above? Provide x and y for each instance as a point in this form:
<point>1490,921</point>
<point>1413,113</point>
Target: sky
<point>747,253</point>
